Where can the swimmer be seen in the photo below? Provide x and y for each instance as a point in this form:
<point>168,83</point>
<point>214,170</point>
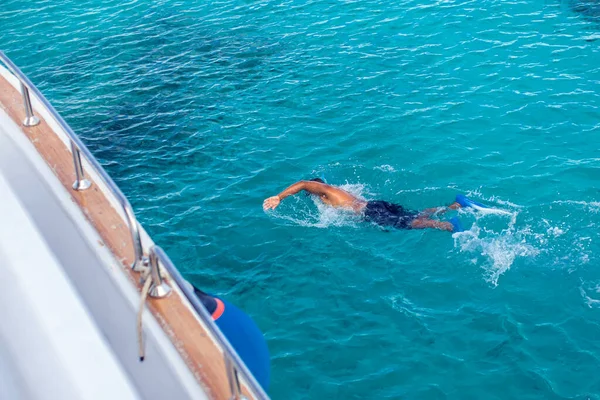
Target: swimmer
<point>377,211</point>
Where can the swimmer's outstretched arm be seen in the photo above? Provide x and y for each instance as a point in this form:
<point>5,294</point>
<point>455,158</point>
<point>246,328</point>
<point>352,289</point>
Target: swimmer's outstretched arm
<point>310,186</point>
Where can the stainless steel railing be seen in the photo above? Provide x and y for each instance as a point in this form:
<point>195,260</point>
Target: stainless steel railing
<point>77,147</point>
<point>157,257</point>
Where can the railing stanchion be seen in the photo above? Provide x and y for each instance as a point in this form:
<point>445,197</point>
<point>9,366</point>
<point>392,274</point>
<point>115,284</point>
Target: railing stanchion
<point>140,261</point>
<point>30,119</point>
<point>158,288</point>
<point>233,379</point>
<point>81,183</point>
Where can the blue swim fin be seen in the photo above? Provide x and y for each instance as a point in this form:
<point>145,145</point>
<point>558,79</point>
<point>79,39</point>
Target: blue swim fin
<point>464,201</point>
<point>456,224</point>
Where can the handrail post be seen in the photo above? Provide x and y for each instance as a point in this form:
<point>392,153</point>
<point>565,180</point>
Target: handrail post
<point>140,261</point>
<point>81,183</point>
<point>30,118</point>
<point>233,379</point>
<point>158,288</point>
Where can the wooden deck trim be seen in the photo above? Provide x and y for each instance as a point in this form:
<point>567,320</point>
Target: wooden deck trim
<point>173,313</point>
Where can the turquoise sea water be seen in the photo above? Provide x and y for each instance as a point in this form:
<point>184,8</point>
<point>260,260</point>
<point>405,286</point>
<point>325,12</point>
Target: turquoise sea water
<point>200,110</point>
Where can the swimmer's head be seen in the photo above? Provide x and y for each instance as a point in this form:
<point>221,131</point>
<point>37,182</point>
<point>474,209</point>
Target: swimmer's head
<point>315,180</point>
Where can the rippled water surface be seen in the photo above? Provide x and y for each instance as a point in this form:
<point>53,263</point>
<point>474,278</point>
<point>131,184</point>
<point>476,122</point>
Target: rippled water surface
<point>200,110</point>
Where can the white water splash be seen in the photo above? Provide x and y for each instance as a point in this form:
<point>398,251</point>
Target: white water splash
<point>554,231</point>
<point>325,216</point>
<point>386,168</point>
<point>590,294</point>
<point>492,211</point>
<point>496,249</point>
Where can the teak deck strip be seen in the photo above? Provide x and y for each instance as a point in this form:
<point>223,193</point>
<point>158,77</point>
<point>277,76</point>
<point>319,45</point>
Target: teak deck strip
<point>197,349</point>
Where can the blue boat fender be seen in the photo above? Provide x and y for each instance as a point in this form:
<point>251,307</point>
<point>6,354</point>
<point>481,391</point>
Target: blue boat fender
<point>243,335</point>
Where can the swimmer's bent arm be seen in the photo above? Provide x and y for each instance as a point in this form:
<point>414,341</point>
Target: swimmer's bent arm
<point>311,187</point>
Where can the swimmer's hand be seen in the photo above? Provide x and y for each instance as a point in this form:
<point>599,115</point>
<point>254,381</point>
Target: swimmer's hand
<point>271,203</point>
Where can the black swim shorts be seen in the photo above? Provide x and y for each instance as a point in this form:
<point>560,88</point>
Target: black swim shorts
<point>388,214</point>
